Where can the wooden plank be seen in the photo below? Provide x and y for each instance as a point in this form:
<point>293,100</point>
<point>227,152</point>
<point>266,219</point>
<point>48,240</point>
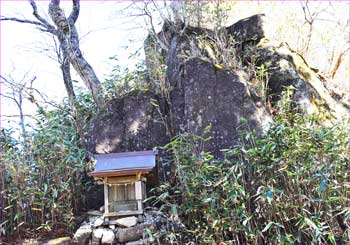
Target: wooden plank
<point>120,193</point>
<point>138,190</point>
<point>138,195</point>
<point>94,212</point>
<point>139,206</point>
<point>106,194</point>
<point>120,207</point>
<point>115,192</point>
<point>122,213</point>
<point>131,191</point>
<point>121,179</point>
<point>138,176</point>
<point>110,193</point>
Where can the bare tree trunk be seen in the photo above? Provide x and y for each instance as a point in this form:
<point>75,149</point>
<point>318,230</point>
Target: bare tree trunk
<point>64,29</point>
<point>16,95</point>
<point>69,43</point>
<point>67,79</point>
<point>21,117</point>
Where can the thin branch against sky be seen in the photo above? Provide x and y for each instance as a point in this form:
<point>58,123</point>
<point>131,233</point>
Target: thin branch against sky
<point>97,24</point>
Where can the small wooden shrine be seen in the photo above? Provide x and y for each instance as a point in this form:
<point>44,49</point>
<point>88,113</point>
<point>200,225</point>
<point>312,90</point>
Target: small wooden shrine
<point>124,178</point>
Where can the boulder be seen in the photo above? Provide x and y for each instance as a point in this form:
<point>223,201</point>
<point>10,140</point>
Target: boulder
<point>108,236</point>
<point>92,219</point>
<point>140,218</point>
<point>132,123</point>
<point>251,29</point>
<point>202,97</point>
<point>59,240</point>
<point>287,69</point>
<point>97,236</point>
<point>127,221</point>
<point>206,97</point>
<point>131,234</point>
<point>157,219</point>
<point>30,241</point>
<point>82,235</point>
<point>98,222</point>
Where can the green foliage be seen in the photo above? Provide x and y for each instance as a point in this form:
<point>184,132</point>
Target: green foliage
<point>262,76</point>
<point>289,184</point>
<point>123,81</point>
<point>213,14</point>
<point>43,178</point>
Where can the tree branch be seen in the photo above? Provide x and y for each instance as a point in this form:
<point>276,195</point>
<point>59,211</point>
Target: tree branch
<point>153,31</point>
<point>22,21</point>
<point>75,12</point>
<point>57,16</point>
<point>26,115</point>
<point>36,14</point>
<point>11,98</point>
<point>42,24</point>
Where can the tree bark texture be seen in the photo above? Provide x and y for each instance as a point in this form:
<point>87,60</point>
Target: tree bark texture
<point>69,43</point>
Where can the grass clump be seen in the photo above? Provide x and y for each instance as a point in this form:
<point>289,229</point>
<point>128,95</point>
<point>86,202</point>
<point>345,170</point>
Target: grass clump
<point>290,184</point>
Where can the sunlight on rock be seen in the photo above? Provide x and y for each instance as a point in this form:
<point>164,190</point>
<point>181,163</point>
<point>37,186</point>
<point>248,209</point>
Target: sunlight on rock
<point>134,127</point>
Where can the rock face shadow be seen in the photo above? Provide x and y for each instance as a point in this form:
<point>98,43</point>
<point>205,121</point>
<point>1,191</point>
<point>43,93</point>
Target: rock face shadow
<point>132,124</point>
<point>206,96</point>
<point>201,94</point>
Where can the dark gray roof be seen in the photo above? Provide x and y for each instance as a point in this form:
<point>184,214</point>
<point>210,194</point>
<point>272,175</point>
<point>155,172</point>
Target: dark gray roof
<point>125,161</point>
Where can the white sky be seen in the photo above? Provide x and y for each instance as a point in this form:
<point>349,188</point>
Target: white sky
<point>104,30</point>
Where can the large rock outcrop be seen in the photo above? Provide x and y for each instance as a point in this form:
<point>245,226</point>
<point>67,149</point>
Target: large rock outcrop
<point>201,93</point>
<point>286,68</point>
<point>205,96</point>
<point>132,123</point>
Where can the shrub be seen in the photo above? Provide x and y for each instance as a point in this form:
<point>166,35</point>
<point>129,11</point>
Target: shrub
<point>287,185</point>
<point>43,179</point>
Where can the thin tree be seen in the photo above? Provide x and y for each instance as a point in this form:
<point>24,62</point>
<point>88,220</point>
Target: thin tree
<point>16,92</point>
<point>63,28</point>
